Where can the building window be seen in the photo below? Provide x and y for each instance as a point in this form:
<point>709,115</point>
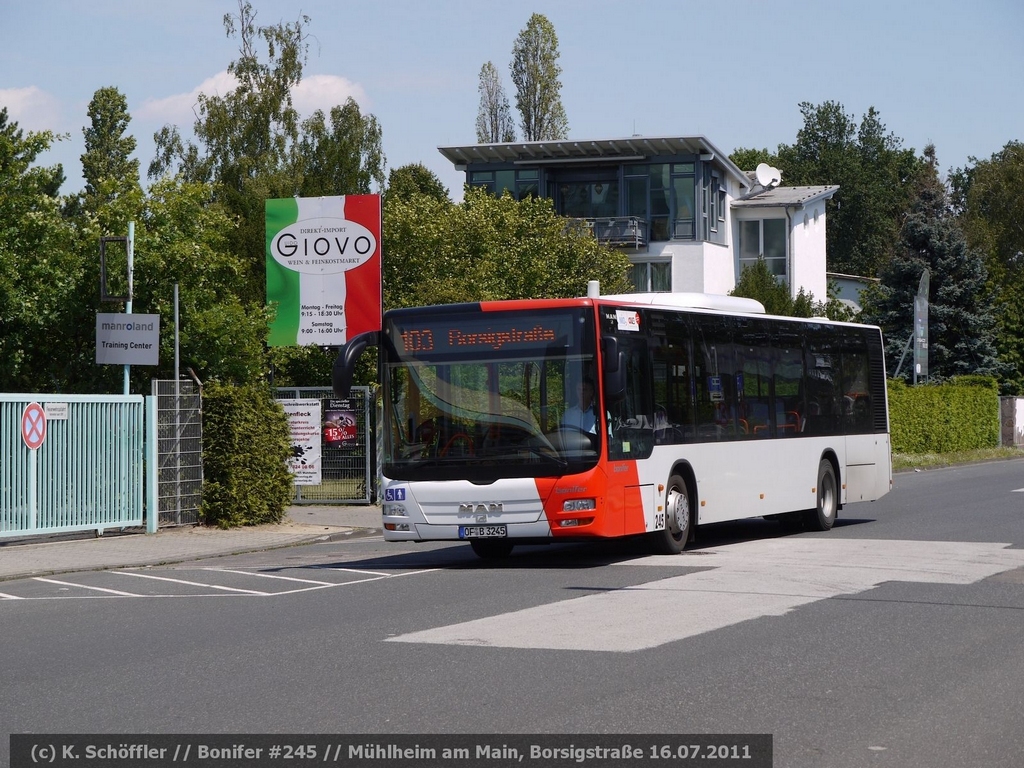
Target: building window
<point>648,276</point>
<point>588,199</point>
<point>519,184</point>
<point>764,239</point>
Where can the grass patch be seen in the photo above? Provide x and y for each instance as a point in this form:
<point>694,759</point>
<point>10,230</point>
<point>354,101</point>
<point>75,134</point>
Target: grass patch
<point>904,461</point>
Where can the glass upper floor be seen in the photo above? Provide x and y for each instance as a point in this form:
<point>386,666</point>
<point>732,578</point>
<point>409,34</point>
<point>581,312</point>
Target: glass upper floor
<point>630,192</point>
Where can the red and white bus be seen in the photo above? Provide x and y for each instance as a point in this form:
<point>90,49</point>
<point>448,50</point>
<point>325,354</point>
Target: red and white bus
<point>705,410</point>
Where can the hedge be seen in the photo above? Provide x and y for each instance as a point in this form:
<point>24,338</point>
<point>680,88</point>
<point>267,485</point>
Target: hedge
<point>246,444</point>
<point>960,414</point>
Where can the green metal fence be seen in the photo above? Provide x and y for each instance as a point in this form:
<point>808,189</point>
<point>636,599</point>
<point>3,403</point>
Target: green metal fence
<point>70,463</point>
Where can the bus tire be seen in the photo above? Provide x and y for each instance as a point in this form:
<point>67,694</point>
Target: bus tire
<point>823,516</point>
<point>678,519</point>
<point>491,549</point>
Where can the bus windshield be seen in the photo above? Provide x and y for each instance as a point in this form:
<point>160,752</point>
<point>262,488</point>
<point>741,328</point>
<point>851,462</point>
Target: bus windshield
<point>480,395</point>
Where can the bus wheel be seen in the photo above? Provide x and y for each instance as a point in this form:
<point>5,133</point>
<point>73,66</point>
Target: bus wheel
<point>491,549</point>
<point>823,515</point>
<point>678,517</point>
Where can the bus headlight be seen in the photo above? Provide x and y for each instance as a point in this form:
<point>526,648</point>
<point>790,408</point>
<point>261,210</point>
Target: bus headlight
<point>579,505</point>
<point>394,510</point>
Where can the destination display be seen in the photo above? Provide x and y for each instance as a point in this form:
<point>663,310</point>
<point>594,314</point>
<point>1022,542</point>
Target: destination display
<point>503,332</point>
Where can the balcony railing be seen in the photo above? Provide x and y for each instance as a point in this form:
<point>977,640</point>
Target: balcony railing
<point>623,231</point>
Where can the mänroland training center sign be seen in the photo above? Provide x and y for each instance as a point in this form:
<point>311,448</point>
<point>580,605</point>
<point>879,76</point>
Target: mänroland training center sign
<point>127,339</point>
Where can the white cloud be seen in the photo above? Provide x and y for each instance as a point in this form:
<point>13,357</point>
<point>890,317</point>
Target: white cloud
<point>326,91</point>
<point>178,109</point>
<point>33,109</point>
<point>313,92</point>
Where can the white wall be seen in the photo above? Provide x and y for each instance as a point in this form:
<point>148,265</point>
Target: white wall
<point>807,251</point>
<point>699,267</point>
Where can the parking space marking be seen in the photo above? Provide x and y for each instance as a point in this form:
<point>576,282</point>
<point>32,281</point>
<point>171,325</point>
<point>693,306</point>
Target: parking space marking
<point>86,586</point>
<point>272,576</point>
<point>192,583</point>
<point>311,585</point>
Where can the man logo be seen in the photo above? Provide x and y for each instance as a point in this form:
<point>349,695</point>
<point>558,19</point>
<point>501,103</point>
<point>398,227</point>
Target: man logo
<point>480,509</point>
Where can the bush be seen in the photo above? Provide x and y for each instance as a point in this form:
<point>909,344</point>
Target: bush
<point>246,443</point>
<point>960,414</point>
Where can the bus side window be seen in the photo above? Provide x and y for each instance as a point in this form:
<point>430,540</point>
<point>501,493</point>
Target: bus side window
<point>632,418</point>
<point>716,379</point>
<point>673,411</point>
<point>857,413</point>
<point>790,408</point>
<point>822,365</point>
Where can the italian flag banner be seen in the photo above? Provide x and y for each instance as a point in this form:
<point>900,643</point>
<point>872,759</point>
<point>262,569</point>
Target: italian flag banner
<point>323,269</point>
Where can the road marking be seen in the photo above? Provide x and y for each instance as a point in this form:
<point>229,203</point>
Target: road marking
<point>272,576</point>
<point>192,583</point>
<point>5,596</point>
<point>1017,490</point>
<point>84,586</point>
<point>746,581</point>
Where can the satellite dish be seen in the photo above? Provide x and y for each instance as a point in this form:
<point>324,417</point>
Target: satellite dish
<point>767,176</point>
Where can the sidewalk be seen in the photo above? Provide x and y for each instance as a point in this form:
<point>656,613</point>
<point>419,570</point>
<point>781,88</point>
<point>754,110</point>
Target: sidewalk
<point>46,555</point>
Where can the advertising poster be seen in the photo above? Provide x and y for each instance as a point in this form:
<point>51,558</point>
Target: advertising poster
<point>341,429</point>
<point>323,269</point>
<point>304,424</point>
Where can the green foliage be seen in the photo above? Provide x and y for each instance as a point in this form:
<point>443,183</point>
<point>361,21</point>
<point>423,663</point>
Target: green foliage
<point>757,282</point>
<point>960,321</point>
<point>958,415</point>
<point>749,159</point>
<point>344,157</point>
<point>489,248</point>
<point>301,366</point>
<point>535,73</point>
<point>494,118</point>
<point>246,445</point>
<point>107,164</point>
<point>415,179</point>
<point>991,211</point>
<point>252,147</point>
<point>872,170</point>
<point>39,271</point>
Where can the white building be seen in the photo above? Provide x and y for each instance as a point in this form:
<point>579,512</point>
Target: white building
<point>686,215</point>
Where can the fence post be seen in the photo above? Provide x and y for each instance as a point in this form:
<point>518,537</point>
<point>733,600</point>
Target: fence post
<point>152,474</point>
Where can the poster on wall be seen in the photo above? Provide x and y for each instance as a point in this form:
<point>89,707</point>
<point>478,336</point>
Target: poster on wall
<point>304,462</point>
<point>323,269</point>
<point>341,429</point>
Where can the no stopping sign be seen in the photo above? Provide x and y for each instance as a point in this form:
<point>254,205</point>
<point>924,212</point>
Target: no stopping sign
<point>33,425</point>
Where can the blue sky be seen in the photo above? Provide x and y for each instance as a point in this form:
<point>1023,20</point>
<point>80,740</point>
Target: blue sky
<point>734,71</point>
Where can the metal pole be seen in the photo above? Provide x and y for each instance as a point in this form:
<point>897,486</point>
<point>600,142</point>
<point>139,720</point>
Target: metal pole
<point>128,304</point>
<point>177,418</point>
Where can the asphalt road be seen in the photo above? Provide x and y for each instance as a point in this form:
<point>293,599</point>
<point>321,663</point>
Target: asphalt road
<point>893,640</point>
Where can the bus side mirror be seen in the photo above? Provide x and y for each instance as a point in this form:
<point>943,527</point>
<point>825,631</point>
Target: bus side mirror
<point>345,366</point>
<point>614,369</point>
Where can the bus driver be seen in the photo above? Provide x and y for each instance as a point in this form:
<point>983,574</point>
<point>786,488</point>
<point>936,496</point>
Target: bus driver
<point>582,416</point>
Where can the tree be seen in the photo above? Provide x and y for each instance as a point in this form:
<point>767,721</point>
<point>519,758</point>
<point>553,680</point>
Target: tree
<point>39,271</point>
<point>991,210</point>
<point>749,159</point>
<point>875,177</point>
<point>535,73</point>
<point>414,179</point>
<point>252,145</point>
<point>342,158</point>
<point>494,118</point>
<point>757,282</point>
<point>488,248</point>
<point>107,164</point>
<point>961,338</point>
